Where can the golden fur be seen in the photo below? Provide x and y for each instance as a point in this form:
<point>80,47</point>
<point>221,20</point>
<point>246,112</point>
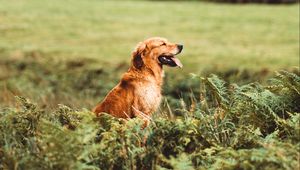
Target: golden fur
<point>138,94</point>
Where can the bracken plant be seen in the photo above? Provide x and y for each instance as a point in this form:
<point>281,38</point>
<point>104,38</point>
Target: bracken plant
<point>226,126</point>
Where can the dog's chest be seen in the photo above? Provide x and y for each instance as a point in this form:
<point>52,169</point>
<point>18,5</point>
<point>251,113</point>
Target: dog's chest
<point>150,95</point>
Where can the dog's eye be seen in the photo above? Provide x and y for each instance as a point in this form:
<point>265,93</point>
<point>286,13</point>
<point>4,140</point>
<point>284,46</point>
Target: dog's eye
<point>163,44</point>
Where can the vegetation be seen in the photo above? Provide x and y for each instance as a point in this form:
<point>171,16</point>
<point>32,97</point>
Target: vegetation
<point>243,1</point>
<point>228,108</point>
<point>215,35</point>
<point>230,127</point>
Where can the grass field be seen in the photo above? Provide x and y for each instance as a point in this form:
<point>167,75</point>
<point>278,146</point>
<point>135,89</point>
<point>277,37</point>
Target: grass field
<point>214,35</point>
<point>59,58</point>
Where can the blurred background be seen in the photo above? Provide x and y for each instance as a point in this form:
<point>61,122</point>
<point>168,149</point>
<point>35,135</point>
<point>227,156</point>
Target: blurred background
<point>74,52</point>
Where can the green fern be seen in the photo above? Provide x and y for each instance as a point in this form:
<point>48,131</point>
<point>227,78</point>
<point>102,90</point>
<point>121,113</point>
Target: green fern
<point>228,126</point>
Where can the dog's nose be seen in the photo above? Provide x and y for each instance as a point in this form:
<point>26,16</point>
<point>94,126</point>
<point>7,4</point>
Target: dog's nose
<point>180,47</point>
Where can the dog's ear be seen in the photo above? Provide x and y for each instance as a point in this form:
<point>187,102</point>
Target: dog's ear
<point>137,60</point>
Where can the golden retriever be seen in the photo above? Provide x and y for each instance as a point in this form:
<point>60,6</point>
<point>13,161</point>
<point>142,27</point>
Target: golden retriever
<point>138,94</point>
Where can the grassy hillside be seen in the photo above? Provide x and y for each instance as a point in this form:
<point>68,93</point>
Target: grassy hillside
<point>73,52</point>
<point>214,35</point>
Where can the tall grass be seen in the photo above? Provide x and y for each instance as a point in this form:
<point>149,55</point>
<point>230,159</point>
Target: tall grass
<point>229,127</point>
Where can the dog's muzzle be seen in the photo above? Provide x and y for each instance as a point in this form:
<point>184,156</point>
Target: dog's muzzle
<point>170,59</point>
<point>179,47</point>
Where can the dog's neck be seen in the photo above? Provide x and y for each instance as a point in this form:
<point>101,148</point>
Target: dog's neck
<point>157,73</point>
<point>148,73</point>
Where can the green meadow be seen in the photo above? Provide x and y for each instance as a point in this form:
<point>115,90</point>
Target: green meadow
<point>214,35</point>
<point>235,104</point>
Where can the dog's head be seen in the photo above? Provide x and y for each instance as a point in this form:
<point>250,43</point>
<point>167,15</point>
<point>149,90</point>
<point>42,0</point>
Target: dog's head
<point>156,51</point>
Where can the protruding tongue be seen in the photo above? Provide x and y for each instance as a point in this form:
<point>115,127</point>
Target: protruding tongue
<point>177,61</point>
